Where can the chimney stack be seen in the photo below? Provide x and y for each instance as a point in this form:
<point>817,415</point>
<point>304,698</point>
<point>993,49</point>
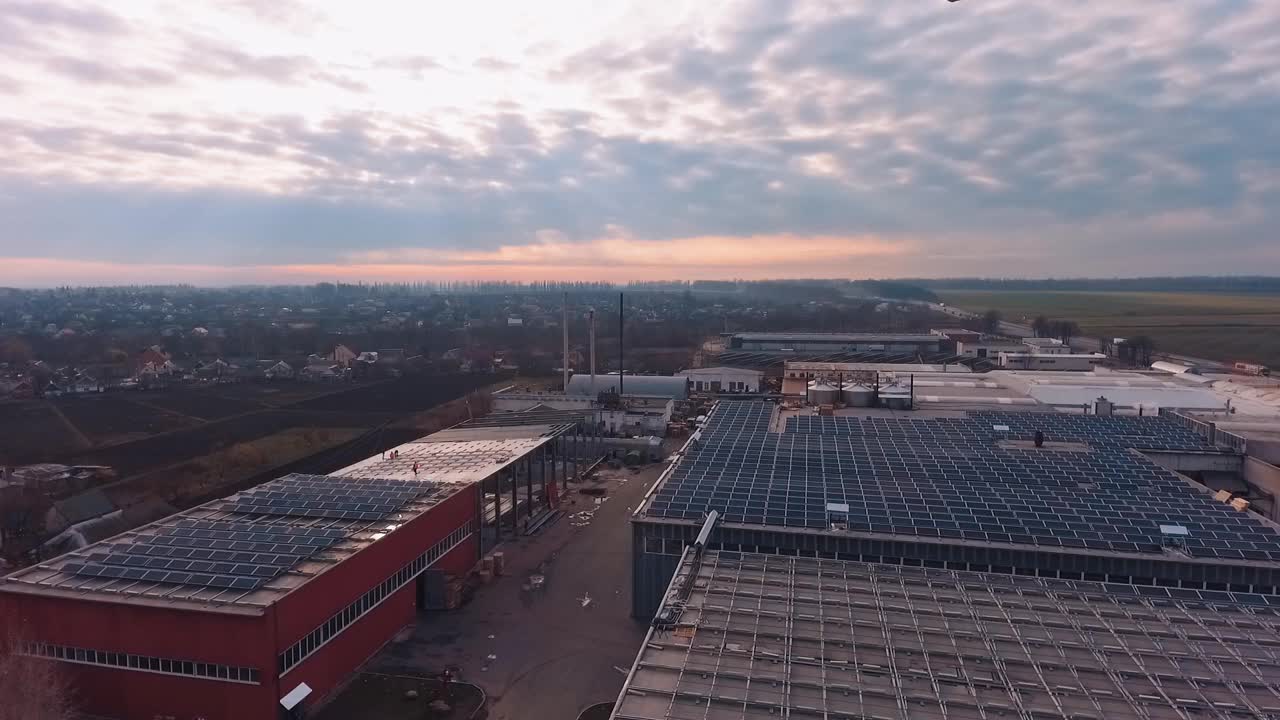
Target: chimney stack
<point>622,356</point>
<point>564,322</point>
<point>591,345</point>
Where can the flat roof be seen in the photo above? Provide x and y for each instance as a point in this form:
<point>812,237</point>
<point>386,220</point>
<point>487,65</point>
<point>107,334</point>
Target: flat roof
<point>461,454</point>
<point>672,386</point>
<point>805,365</point>
<point>957,480</point>
<point>238,554</point>
<point>242,553</point>
<point>758,637</point>
<point>840,337</point>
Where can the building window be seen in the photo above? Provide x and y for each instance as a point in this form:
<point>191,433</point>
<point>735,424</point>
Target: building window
<point>327,630</point>
<point>142,663</point>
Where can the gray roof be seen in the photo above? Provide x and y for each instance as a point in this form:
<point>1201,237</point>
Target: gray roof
<point>660,385</point>
<point>840,337</point>
<point>758,637</point>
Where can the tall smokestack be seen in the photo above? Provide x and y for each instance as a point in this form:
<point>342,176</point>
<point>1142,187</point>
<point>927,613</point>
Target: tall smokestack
<point>591,345</point>
<point>621,355</point>
<point>564,321</point>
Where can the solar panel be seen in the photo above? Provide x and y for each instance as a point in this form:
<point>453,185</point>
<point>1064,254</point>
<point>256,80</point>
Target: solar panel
<point>321,496</point>
<point>952,477</point>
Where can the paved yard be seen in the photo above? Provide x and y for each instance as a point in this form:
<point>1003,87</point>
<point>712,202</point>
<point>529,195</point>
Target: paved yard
<point>545,653</point>
<point>372,696</point>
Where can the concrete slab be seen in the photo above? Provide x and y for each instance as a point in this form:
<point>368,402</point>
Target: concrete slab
<point>545,653</point>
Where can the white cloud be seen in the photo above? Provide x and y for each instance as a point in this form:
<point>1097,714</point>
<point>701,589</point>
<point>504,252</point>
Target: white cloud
<point>468,125</point>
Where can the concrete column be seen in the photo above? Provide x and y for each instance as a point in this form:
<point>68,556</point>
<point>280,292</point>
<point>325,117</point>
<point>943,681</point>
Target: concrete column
<point>541,465</point>
<point>515,500</point>
<point>497,508</point>
<point>528,481</point>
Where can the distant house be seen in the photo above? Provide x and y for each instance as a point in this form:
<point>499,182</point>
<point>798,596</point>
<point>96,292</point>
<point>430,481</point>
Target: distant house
<point>22,388</point>
<point>317,372</point>
<point>153,356</point>
<point>215,369</point>
<point>84,382</point>
<point>343,355</point>
<point>280,371</point>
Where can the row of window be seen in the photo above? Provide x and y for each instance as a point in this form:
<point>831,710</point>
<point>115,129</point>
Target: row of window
<point>315,639</point>
<point>143,663</point>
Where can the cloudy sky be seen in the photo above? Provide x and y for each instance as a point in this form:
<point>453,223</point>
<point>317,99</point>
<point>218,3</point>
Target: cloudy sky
<point>294,141</point>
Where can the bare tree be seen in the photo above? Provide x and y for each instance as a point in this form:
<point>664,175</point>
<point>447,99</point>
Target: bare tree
<point>31,688</point>
<point>1041,326</point>
<point>1143,347</point>
<point>991,321</point>
<point>1065,330</point>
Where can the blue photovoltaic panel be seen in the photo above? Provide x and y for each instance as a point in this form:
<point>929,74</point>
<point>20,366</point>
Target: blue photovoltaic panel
<point>321,496</point>
<point>207,553</point>
<point>951,478</point>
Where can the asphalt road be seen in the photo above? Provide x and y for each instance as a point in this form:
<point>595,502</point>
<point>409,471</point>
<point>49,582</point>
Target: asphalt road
<point>544,653</point>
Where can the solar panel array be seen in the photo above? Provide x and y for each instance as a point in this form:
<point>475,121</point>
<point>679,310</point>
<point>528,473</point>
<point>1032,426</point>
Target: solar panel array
<point>321,496</point>
<point>952,479</point>
<point>1139,433</point>
<point>207,554</point>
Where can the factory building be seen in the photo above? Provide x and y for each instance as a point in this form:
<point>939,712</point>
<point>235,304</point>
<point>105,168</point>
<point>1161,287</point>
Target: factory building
<point>760,636</point>
<point>1070,362</point>
<point>723,379</point>
<point>1045,346</point>
<point>837,342</point>
<point>267,600</point>
<point>973,493</point>
<point>666,386</point>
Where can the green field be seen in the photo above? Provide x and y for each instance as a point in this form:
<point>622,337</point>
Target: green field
<point>1220,327</point>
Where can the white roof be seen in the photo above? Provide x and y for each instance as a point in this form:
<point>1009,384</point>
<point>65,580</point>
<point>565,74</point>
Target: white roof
<point>721,371</point>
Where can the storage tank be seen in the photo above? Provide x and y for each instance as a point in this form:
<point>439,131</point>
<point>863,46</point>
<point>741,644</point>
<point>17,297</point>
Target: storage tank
<point>857,395</point>
<point>895,397</point>
<point>822,393</point>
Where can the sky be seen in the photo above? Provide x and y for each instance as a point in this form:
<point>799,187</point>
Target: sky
<point>291,141</point>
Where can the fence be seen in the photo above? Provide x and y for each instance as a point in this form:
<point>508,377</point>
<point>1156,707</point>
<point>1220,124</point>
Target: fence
<point>1207,430</point>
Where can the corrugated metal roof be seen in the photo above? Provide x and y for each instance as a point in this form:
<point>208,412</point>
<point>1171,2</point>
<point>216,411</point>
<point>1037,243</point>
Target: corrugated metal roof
<point>676,388</point>
<point>841,337</point>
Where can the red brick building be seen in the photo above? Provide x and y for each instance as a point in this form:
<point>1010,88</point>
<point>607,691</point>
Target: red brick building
<point>224,610</point>
<point>220,611</point>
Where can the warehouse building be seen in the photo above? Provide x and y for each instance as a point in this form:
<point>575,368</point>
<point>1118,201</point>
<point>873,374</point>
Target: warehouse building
<point>760,636</point>
<point>1062,362</point>
<point>837,342</point>
<point>723,379</point>
<point>666,386</point>
<point>267,600</point>
<point>971,493</point>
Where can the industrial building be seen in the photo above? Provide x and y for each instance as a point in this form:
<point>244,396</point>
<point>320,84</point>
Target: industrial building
<point>267,600</point>
<point>1073,362</point>
<point>759,636</point>
<point>723,379</point>
<point>968,492</point>
<point>666,386</point>
<point>837,342</point>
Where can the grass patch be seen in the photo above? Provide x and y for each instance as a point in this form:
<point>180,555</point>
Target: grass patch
<point>1221,327</point>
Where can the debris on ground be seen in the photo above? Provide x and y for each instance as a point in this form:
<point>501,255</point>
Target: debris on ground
<point>411,695</point>
<point>585,599</point>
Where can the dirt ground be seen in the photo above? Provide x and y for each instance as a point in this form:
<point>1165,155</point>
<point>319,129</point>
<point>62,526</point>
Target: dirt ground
<point>374,696</point>
<point>545,653</point>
